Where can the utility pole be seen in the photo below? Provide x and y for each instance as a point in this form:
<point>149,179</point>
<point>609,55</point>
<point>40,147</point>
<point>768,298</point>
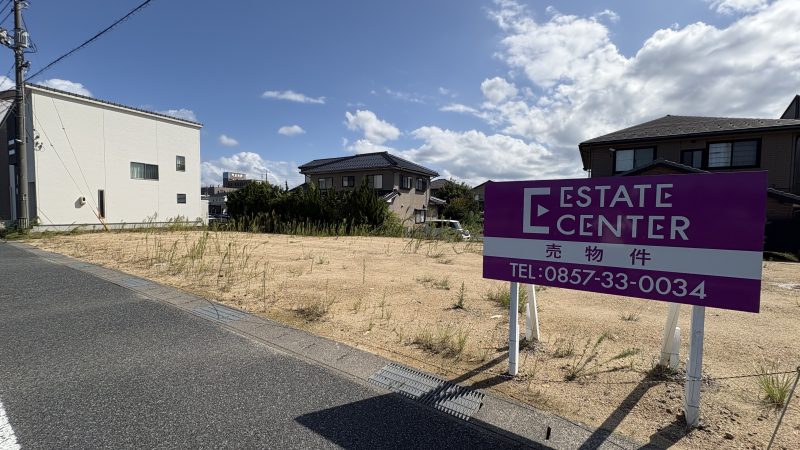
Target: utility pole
<point>20,44</point>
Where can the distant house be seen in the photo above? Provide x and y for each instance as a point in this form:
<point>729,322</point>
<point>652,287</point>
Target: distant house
<point>436,185</point>
<point>97,163</point>
<point>217,196</point>
<point>404,185</point>
<point>478,192</point>
<point>685,144</point>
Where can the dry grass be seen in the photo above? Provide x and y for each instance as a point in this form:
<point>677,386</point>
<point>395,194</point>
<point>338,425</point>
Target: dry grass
<point>392,292</point>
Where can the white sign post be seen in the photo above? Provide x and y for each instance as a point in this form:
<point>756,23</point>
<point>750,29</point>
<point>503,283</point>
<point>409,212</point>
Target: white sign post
<point>667,346</point>
<point>531,316</point>
<point>694,368</point>
<point>513,329</point>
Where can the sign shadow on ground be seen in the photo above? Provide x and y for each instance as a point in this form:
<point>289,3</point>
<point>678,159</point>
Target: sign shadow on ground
<point>392,421</point>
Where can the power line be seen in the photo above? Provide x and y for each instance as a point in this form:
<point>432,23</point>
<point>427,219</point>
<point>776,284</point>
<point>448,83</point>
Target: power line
<point>8,14</point>
<point>70,145</point>
<point>92,39</point>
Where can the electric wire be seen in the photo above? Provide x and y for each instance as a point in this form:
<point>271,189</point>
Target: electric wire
<point>63,164</point>
<point>31,43</point>
<point>10,10</point>
<point>64,129</point>
<point>5,18</point>
<point>92,39</point>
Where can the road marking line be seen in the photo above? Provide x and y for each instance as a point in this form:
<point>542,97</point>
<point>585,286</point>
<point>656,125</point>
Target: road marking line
<point>7,439</point>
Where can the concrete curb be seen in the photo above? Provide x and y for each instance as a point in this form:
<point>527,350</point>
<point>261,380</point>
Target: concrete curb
<point>520,423</point>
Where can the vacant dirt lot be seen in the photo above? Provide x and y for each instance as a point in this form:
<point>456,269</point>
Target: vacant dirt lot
<point>397,297</point>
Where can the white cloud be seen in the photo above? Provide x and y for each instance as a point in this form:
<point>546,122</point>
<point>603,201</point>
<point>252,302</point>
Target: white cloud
<point>228,141</point>
<point>254,166</point>
<point>376,131</point>
<point>6,83</point>
<point>568,82</point>
<point>182,113</point>
<point>459,108</point>
<point>474,157</point>
<point>365,146</point>
<point>410,97</point>
<point>447,92</point>
<point>293,96</point>
<point>291,130</point>
<point>612,16</point>
<point>67,86</point>
<point>498,90</point>
<point>737,6</point>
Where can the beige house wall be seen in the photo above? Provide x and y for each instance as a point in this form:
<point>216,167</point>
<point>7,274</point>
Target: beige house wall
<point>403,205</point>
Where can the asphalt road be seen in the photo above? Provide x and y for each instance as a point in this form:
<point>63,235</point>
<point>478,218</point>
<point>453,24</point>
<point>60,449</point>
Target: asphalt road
<point>85,363</point>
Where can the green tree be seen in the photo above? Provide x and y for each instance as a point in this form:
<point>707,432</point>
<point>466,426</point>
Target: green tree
<point>461,204</point>
<point>274,209</point>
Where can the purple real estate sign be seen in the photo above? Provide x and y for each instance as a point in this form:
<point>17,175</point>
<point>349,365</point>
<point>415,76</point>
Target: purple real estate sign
<point>695,239</point>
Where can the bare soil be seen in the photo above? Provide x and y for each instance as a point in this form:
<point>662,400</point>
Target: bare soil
<point>395,297</point>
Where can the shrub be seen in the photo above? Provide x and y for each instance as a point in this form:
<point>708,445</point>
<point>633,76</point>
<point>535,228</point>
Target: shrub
<point>502,296</point>
<point>269,208</point>
<point>774,387</point>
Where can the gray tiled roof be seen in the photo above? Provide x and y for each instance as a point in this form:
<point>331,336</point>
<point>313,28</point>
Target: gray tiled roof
<point>663,162</point>
<point>438,184</point>
<point>364,161</point>
<point>317,162</point>
<point>677,126</point>
<point>777,193</point>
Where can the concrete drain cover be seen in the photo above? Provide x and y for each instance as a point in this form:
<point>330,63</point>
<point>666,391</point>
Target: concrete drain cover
<point>218,313</point>
<point>132,282</point>
<point>429,390</point>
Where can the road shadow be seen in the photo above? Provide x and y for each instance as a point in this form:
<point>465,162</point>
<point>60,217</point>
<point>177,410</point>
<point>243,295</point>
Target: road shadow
<point>392,421</point>
<point>664,438</point>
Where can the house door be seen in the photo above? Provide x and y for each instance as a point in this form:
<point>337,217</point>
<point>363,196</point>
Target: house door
<point>101,203</point>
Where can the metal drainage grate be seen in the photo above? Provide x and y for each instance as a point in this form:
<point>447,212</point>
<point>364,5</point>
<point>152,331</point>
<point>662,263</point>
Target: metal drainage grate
<point>133,282</point>
<point>218,313</point>
<point>429,390</point>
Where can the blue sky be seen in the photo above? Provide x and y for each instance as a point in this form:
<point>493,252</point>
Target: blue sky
<point>474,89</point>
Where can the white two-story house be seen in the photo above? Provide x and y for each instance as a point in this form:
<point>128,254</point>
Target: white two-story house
<point>99,164</point>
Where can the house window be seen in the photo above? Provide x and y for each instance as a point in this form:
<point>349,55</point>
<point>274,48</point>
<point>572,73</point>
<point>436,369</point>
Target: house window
<point>181,198</point>
<point>325,183</point>
<point>692,158</point>
<point>421,184</point>
<point>633,158</point>
<point>142,171</point>
<point>405,182</point>
<point>419,216</point>
<point>348,181</point>
<point>733,154</point>
<point>180,163</point>
<point>375,181</point>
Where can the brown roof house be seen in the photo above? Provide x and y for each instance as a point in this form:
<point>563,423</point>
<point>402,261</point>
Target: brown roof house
<point>689,144</point>
<point>403,184</point>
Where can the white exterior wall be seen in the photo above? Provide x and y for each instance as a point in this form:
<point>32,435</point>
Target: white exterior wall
<point>94,151</point>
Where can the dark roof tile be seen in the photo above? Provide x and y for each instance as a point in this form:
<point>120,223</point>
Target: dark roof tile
<point>678,126</point>
<point>364,161</point>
